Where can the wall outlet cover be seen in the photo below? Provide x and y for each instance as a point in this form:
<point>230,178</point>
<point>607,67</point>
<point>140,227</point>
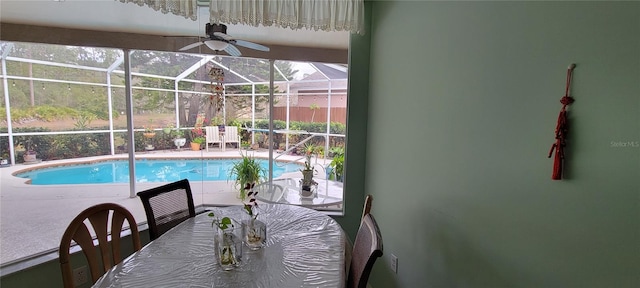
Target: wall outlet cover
<point>80,275</point>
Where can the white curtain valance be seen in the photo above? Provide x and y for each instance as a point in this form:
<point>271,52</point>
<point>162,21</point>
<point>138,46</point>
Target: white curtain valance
<point>185,8</point>
<point>325,15</point>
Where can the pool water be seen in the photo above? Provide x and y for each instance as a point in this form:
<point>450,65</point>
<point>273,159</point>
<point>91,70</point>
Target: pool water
<point>117,171</point>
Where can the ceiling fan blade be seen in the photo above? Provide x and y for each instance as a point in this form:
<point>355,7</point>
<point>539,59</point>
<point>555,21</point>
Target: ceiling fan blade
<point>191,46</point>
<point>232,50</point>
<point>223,36</point>
<point>251,45</point>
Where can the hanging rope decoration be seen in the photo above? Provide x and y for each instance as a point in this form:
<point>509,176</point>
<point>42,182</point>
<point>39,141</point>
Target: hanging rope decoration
<point>562,129</point>
<point>216,75</point>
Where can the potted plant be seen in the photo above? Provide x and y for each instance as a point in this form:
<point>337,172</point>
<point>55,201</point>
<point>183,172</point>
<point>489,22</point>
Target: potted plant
<point>307,177</point>
<point>197,134</point>
<point>30,152</point>
<point>246,172</point>
<point>148,130</point>
<point>337,163</point>
<point>319,151</point>
<point>29,156</point>
<point>309,148</point>
<point>245,145</point>
<point>228,245</point>
<point>197,142</point>
<point>254,231</point>
<point>167,130</point>
<point>5,159</point>
<point>178,138</point>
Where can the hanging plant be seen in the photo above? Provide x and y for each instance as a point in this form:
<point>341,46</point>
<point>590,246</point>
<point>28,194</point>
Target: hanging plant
<point>216,76</point>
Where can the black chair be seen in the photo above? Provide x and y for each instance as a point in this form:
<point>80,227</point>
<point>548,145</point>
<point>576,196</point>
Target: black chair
<point>366,250</point>
<point>167,206</point>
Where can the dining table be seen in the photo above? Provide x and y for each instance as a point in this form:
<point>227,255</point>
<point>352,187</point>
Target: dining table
<point>326,193</point>
<point>303,248</point>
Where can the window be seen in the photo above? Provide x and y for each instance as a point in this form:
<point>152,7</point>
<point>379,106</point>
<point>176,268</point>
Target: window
<point>68,104</point>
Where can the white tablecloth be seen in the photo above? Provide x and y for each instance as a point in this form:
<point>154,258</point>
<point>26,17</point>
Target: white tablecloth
<point>305,248</point>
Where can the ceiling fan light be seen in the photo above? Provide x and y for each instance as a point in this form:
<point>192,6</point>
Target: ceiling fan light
<point>216,45</point>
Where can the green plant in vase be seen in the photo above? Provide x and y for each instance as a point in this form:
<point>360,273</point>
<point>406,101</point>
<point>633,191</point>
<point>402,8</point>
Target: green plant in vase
<point>254,232</point>
<point>246,172</point>
<point>178,138</point>
<point>228,247</point>
<point>307,177</point>
<point>177,133</point>
<point>223,223</point>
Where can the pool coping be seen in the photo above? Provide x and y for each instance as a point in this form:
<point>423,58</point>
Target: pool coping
<point>52,164</point>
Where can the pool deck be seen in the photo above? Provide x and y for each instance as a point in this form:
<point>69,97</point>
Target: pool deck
<point>33,218</point>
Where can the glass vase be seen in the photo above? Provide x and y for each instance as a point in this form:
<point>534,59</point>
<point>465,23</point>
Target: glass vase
<point>228,247</point>
<point>254,233</point>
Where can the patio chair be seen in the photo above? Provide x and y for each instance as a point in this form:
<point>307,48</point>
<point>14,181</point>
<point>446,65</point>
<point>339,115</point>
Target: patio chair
<point>110,251</point>
<point>167,206</point>
<point>366,250</point>
<point>213,136</point>
<point>231,135</point>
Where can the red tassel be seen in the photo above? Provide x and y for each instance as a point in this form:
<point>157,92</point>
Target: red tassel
<point>561,133</point>
<point>557,162</point>
<point>561,130</point>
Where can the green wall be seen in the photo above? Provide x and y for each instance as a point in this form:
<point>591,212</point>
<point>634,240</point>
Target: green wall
<point>49,274</point>
<point>356,142</point>
<point>462,103</point>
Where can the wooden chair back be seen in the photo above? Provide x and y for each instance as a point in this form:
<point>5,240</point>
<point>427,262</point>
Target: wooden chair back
<point>366,209</point>
<point>167,206</point>
<point>110,253</point>
<point>367,248</point>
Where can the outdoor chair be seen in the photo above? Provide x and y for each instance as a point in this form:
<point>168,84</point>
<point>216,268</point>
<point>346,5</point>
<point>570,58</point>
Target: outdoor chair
<point>98,217</point>
<point>167,206</point>
<point>231,135</point>
<point>213,136</point>
<point>367,249</point>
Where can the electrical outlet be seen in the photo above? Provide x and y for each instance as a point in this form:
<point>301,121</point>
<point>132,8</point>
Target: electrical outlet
<point>394,263</point>
<point>80,275</point>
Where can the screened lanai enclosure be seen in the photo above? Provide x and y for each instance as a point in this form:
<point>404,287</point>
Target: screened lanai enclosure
<point>67,103</point>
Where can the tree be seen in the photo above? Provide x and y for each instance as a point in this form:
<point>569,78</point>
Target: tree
<point>256,70</point>
<point>313,108</point>
<point>92,98</point>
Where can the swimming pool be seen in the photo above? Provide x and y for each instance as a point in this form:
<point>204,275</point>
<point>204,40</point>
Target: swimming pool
<point>147,170</point>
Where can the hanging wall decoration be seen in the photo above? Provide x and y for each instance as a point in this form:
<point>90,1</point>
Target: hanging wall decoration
<point>216,76</point>
<point>562,129</point>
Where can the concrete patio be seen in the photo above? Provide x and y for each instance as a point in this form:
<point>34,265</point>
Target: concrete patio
<point>33,218</point>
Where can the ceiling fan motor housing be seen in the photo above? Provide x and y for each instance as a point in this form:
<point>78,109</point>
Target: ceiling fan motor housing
<point>212,28</point>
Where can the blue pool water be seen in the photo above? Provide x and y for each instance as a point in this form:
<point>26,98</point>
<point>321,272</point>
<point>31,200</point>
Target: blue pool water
<point>117,171</point>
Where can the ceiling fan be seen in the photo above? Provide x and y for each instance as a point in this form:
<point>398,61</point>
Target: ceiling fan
<point>218,40</point>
